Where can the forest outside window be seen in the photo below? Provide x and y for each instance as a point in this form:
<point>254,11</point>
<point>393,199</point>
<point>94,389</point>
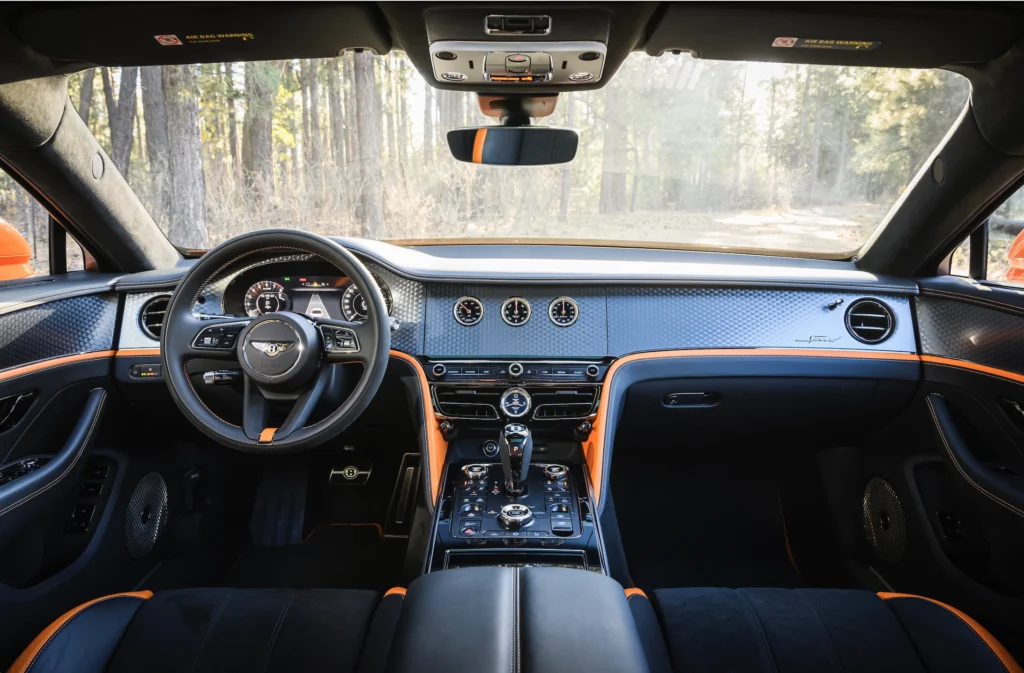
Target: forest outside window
<point>31,222</point>
<point>674,152</point>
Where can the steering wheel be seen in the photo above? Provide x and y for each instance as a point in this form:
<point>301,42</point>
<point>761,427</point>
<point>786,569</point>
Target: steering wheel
<point>287,359</point>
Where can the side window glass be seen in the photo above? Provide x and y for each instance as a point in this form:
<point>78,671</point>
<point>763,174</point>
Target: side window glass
<point>960,264</point>
<point>1006,249</point>
<point>24,233</point>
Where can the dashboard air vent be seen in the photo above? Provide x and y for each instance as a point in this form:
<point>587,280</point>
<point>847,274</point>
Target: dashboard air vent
<point>870,321</point>
<point>564,403</point>
<point>459,403</point>
<point>151,317</point>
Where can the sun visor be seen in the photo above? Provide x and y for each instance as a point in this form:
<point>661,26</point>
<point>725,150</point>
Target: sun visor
<point>906,36</point>
<point>169,34</point>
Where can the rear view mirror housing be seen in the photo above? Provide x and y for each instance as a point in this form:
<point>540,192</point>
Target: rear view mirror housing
<point>514,145</point>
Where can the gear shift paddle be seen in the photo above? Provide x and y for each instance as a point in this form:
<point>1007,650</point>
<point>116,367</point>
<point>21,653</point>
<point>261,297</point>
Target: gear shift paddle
<point>515,447</point>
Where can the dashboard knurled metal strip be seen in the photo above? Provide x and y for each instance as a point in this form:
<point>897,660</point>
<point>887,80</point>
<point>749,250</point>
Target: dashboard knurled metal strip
<point>663,318</point>
<point>408,307</point>
<point>966,331</point>
<point>64,327</point>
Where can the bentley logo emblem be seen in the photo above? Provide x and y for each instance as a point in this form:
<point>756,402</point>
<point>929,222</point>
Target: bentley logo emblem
<point>272,348</point>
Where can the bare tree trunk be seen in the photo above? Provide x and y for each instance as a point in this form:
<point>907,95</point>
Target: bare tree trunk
<point>121,116</point>
<point>403,116</point>
<point>257,134</point>
<point>315,178</point>
<point>229,88</point>
<point>188,208</point>
<point>428,123</point>
<point>337,116</point>
<point>85,95</point>
<point>158,146</point>
<point>815,151</point>
<point>614,156</point>
<point>563,209</point>
<point>370,206</point>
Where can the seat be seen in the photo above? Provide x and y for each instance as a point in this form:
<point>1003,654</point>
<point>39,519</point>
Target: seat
<point>223,630</point>
<point>798,630</point>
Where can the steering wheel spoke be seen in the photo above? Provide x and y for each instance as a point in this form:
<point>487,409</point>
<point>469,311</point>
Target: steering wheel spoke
<point>216,339</point>
<point>257,405</point>
<point>345,341</point>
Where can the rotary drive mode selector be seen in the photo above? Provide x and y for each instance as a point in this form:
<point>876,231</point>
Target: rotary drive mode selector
<point>555,472</point>
<point>475,471</point>
<point>515,516</point>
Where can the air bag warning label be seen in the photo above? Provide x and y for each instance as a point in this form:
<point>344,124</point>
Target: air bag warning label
<point>202,38</point>
<point>814,43</point>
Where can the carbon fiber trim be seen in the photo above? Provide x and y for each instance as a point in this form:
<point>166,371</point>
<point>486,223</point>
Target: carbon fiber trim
<point>967,331</point>
<point>663,318</point>
<point>146,516</point>
<point>64,327</point>
<point>885,526</point>
<point>538,337</point>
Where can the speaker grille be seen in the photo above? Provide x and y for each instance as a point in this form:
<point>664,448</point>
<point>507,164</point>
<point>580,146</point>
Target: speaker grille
<point>147,515</point>
<point>884,524</point>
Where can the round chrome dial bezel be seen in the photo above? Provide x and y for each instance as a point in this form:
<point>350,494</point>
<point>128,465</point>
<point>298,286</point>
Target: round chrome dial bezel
<point>529,311</point>
<point>510,391</point>
<point>455,311</point>
<point>551,307</point>
<point>348,299</point>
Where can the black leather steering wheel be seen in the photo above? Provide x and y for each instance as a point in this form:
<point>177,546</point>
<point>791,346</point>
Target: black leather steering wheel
<point>288,359</point>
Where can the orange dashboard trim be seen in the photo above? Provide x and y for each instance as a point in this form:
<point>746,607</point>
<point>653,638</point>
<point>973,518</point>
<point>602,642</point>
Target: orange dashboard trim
<point>42,365</point>
<point>137,352</point>
<point>437,446</point>
<point>594,448</point>
<point>972,366</point>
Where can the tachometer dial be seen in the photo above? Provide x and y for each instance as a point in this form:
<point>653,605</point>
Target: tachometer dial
<point>353,306</point>
<point>468,311</point>
<point>563,311</point>
<point>265,296</point>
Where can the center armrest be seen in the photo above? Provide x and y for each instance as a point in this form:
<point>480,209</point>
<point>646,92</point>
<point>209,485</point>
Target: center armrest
<point>533,620</point>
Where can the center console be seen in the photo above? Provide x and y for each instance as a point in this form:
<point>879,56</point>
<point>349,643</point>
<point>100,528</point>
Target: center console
<point>514,491</point>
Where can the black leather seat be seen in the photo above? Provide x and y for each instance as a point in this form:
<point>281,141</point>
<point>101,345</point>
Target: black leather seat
<point>222,630</point>
<point>790,631</point>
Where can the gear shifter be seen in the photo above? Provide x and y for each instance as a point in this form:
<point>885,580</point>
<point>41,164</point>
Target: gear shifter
<point>515,447</point>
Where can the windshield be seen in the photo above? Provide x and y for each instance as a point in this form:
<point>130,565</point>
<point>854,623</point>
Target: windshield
<point>674,152</point>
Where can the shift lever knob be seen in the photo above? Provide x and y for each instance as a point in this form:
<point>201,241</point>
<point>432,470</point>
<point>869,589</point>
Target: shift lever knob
<point>515,447</point>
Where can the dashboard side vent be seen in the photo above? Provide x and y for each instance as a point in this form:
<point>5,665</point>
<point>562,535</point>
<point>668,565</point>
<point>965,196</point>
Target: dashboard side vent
<point>563,403</point>
<point>459,403</point>
<point>870,321</point>
<point>151,317</point>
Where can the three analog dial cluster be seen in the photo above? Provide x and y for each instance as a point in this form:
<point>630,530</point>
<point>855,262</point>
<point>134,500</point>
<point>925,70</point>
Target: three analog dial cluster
<point>516,311</point>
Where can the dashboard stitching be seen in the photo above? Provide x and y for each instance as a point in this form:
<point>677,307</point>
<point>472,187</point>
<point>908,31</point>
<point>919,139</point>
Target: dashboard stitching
<point>972,371</point>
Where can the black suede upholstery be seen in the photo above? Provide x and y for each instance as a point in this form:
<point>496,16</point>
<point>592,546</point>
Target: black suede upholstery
<point>236,630</point>
<point>792,631</point>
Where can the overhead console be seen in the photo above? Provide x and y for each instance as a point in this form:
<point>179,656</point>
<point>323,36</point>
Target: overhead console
<point>518,47</point>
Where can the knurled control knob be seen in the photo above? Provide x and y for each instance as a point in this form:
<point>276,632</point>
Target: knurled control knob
<point>439,370</point>
<point>515,370</point>
<point>593,371</point>
<point>475,471</point>
<point>515,516</point>
<point>555,472</point>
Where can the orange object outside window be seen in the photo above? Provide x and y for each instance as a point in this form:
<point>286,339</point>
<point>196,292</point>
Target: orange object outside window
<point>15,253</point>
<point>1015,256</point>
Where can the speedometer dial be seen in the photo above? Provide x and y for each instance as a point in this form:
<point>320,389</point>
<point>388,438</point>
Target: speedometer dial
<point>468,311</point>
<point>515,311</point>
<point>353,305</point>
<point>265,296</point>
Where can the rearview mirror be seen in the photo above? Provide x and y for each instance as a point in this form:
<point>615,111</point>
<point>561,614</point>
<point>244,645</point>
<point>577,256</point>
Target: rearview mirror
<point>514,145</point>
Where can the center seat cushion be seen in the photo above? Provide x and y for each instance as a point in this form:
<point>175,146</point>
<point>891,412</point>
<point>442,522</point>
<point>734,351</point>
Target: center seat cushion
<point>791,631</point>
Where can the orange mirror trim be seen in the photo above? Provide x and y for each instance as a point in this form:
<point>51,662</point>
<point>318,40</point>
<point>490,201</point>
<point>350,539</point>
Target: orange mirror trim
<point>15,253</point>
